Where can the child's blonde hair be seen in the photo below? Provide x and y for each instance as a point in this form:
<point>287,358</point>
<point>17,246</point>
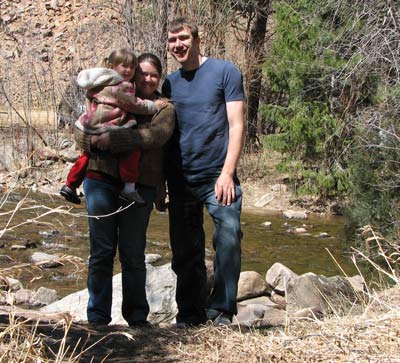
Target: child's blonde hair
<point>122,55</point>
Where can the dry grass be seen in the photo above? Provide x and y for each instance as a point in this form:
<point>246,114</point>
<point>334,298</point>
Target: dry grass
<point>371,337</point>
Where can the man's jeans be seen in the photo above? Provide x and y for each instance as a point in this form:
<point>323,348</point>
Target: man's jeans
<point>188,247</point>
<point>127,230</point>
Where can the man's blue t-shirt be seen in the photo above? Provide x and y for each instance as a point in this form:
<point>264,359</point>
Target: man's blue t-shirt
<point>201,137</point>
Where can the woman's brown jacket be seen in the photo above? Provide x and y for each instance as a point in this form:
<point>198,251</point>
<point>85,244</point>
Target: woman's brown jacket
<point>151,135</point>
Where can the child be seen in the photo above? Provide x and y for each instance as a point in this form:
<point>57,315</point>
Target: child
<point>110,102</point>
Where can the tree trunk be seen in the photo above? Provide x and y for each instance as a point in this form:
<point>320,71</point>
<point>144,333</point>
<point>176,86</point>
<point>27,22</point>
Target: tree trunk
<point>160,8</point>
<point>255,56</point>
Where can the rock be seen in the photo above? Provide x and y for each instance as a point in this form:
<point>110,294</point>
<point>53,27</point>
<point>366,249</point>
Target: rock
<point>278,299</point>
<point>160,289</point>
<point>251,284</point>
<point>328,295</point>
<point>291,214</point>
<point>10,284</point>
<point>264,200</point>
<point>278,277</point>
<point>69,155</point>
<point>49,233</point>
<point>249,314</point>
<point>56,245</point>
<point>279,188</point>
<point>38,257</point>
<point>49,264</point>
<point>152,257</point>
<point>7,54</point>
<point>43,296</point>
<point>210,275</point>
<point>17,247</point>
<point>44,260</point>
<point>67,144</point>
<point>273,317</point>
<point>297,230</point>
<point>357,283</point>
<point>308,313</point>
<point>260,300</point>
<point>3,298</point>
<point>5,259</point>
<point>23,296</point>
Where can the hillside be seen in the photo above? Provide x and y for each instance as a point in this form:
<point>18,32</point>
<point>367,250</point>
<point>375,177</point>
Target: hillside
<point>45,43</point>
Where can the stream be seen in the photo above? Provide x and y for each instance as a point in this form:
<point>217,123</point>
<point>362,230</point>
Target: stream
<point>67,235</point>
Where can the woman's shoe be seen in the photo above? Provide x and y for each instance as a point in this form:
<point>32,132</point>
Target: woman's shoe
<point>70,194</point>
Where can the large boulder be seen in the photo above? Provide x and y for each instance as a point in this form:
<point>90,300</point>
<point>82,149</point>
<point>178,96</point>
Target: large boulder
<point>43,296</point>
<point>294,214</point>
<point>251,284</point>
<point>160,289</point>
<point>262,300</point>
<point>320,293</point>
<point>278,277</point>
<point>250,314</point>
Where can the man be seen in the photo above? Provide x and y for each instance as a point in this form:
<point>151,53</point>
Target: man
<point>201,171</point>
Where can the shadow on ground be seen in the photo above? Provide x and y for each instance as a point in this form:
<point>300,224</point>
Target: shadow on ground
<point>108,344</point>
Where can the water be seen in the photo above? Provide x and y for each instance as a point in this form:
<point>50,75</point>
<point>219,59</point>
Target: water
<point>261,246</point>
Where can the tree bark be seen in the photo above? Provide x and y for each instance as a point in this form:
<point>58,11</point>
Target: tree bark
<point>160,8</point>
<point>255,56</point>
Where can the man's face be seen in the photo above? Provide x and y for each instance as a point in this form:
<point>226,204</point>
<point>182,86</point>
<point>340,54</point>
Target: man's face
<point>183,47</point>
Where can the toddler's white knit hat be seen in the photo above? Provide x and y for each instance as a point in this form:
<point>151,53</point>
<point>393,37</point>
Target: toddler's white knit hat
<point>95,77</point>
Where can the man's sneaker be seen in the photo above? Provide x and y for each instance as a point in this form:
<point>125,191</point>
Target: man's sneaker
<point>219,318</point>
<point>222,320</point>
<point>134,196</point>
<point>70,194</point>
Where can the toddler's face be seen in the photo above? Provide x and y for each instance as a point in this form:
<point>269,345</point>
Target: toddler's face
<point>126,71</point>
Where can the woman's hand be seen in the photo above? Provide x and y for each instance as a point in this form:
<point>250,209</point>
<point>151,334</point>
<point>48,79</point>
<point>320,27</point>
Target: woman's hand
<point>161,102</point>
<point>101,142</point>
<point>160,202</point>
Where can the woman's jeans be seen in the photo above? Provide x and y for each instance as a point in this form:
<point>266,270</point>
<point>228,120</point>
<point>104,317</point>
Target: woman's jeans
<point>188,247</point>
<point>127,231</point>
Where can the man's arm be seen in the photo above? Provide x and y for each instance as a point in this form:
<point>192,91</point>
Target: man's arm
<point>225,187</point>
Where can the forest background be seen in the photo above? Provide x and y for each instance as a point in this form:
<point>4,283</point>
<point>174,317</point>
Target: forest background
<point>321,78</point>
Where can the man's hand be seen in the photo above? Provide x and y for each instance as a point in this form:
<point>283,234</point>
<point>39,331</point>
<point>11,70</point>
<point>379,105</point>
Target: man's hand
<point>101,142</point>
<point>225,186</point>
<point>225,189</point>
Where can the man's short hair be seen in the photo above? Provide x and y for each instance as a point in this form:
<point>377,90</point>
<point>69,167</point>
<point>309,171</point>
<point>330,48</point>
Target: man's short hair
<point>180,23</point>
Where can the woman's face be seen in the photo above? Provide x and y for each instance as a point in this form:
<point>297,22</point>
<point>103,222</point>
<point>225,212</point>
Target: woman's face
<point>147,79</point>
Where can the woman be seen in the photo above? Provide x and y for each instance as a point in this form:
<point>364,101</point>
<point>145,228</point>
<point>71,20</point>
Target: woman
<point>126,229</point>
